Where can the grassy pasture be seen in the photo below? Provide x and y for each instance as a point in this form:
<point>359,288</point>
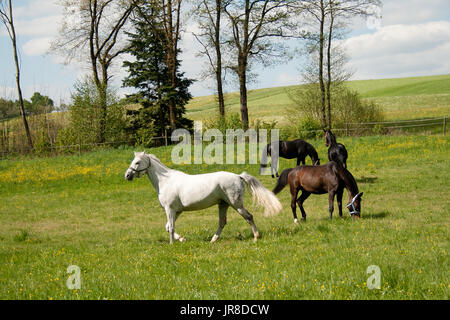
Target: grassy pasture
<point>403,98</point>
<point>70,210</point>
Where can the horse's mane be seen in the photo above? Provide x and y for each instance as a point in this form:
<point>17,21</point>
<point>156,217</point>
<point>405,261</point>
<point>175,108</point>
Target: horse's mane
<point>331,138</point>
<point>349,180</point>
<point>160,167</point>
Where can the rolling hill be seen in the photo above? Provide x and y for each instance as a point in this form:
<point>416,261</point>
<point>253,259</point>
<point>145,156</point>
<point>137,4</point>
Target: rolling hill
<point>401,98</point>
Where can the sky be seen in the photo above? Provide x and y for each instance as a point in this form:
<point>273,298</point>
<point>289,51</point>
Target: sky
<point>411,39</point>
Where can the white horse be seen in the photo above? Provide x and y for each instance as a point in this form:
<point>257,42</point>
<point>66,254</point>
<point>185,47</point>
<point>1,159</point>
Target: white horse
<point>178,191</point>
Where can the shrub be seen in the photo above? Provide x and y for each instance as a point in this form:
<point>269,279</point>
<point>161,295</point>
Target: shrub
<point>308,128</point>
<point>348,108</point>
<point>85,116</point>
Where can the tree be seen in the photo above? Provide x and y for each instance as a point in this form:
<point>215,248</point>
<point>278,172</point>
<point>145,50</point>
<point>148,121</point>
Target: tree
<point>7,18</point>
<point>151,75</point>
<point>41,104</point>
<point>331,17</point>
<point>167,13</point>
<point>96,34</point>
<point>8,109</point>
<point>255,24</point>
<point>209,16</point>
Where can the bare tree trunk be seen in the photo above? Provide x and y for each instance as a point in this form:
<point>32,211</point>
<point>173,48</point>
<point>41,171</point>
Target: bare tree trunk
<point>242,73</point>
<point>219,60</point>
<point>172,36</point>
<point>330,37</point>
<point>321,47</point>
<point>9,24</point>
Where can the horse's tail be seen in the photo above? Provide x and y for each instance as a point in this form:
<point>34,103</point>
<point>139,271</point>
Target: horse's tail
<point>263,197</point>
<point>313,155</point>
<point>282,181</point>
<point>265,152</point>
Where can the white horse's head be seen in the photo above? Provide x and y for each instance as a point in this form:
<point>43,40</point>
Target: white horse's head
<point>140,164</point>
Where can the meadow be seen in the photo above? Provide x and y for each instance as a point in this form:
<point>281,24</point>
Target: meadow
<point>402,98</point>
<point>79,210</point>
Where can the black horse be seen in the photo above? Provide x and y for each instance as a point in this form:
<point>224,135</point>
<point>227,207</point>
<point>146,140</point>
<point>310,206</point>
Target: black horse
<point>336,151</point>
<point>289,150</point>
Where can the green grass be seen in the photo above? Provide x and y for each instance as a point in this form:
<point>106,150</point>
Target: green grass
<point>403,98</point>
<point>70,210</point>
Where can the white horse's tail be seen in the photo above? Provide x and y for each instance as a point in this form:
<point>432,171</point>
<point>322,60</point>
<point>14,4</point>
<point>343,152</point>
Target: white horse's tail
<point>261,195</point>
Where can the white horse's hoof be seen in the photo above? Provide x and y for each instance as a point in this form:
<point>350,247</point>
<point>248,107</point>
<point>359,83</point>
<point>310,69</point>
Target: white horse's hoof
<point>182,239</point>
<point>214,239</point>
<point>296,221</point>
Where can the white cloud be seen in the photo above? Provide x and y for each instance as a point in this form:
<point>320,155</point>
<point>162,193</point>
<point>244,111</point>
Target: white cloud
<point>286,79</point>
<point>37,46</point>
<point>401,50</point>
<point>414,11</point>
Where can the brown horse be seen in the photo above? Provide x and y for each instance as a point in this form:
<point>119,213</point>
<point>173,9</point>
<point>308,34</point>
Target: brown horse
<point>330,178</point>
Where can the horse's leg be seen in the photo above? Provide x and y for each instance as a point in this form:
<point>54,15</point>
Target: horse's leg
<point>331,195</point>
<point>274,165</point>
<point>176,235</point>
<point>170,227</point>
<point>305,195</point>
<point>223,207</point>
<point>249,218</point>
<point>294,193</point>
<point>339,194</point>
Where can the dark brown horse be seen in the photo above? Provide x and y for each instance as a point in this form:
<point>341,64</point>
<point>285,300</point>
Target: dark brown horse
<point>331,178</point>
<point>336,151</point>
<point>298,149</point>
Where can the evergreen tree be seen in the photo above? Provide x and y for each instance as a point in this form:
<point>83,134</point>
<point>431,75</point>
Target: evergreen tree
<point>149,74</point>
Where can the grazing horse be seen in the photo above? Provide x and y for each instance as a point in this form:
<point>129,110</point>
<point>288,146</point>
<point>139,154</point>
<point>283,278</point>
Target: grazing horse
<point>336,151</point>
<point>178,191</point>
<point>330,178</point>
<point>289,150</point>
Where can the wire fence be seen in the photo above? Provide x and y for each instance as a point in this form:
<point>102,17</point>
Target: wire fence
<point>8,144</point>
<point>387,127</point>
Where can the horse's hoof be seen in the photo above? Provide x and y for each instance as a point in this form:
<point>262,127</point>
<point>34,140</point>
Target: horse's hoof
<point>182,239</point>
<point>214,239</point>
<point>273,176</point>
<point>296,221</point>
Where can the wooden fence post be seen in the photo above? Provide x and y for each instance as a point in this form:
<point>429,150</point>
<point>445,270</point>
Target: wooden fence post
<point>79,146</point>
<point>445,125</point>
<point>165,137</point>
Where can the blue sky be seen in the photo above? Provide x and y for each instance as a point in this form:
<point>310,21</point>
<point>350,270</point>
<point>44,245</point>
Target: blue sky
<point>412,39</point>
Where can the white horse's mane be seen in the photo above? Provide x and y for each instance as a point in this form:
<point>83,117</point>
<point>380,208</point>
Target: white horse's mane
<point>158,166</point>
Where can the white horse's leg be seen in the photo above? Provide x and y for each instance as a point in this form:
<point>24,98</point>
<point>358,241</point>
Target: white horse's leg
<point>223,207</point>
<point>249,218</point>
<point>170,227</point>
<point>176,235</point>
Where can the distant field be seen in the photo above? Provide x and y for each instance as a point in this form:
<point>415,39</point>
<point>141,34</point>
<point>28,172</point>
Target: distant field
<point>404,98</point>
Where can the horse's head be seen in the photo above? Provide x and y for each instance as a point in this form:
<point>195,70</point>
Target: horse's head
<point>355,206</point>
<point>140,164</point>
<point>327,137</point>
